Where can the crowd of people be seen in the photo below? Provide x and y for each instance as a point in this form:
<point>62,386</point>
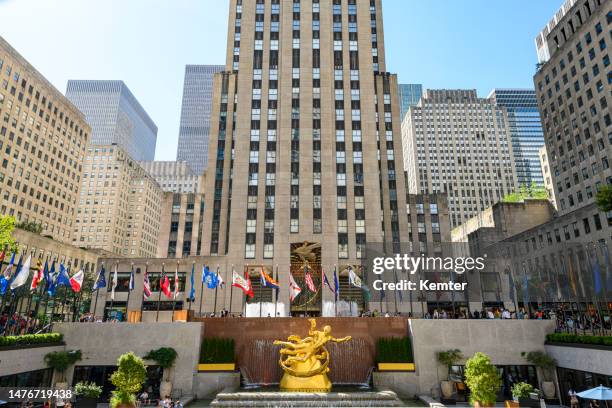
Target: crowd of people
<point>145,400</point>
<point>17,324</point>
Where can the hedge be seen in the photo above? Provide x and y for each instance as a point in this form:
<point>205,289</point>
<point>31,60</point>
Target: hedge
<point>30,339</point>
<point>217,350</point>
<point>394,350</point>
<point>574,338</point>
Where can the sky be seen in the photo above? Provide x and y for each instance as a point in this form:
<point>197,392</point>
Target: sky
<point>474,44</point>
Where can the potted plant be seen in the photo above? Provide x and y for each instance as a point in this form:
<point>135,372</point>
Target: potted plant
<point>217,354</point>
<point>448,358</point>
<point>59,361</point>
<point>87,394</point>
<point>521,392</point>
<point>546,364</point>
<point>395,354</point>
<point>165,358</point>
<point>131,373</point>
<point>482,379</point>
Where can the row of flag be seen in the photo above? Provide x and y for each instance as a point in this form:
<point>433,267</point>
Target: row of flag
<point>213,280</point>
<point>16,275</point>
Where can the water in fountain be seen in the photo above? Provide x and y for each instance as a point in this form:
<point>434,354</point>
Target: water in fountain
<point>342,308</point>
<point>351,363</point>
<point>267,308</point>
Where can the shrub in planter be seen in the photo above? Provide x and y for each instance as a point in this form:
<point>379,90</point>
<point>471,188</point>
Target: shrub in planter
<point>394,350</point>
<point>87,390</point>
<point>578,339</point>
<point>482,379</point>
<point>522,390</point>
<point>217,350</point>
<point>127,379</point>
<point>448,358</point>
<point>30,339</point>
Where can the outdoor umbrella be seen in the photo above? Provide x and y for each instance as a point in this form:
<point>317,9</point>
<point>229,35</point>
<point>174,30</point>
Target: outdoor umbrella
<point>599,393</point>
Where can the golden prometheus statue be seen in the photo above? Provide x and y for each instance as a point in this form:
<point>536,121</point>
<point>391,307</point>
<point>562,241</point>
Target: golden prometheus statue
<point>306,361</point>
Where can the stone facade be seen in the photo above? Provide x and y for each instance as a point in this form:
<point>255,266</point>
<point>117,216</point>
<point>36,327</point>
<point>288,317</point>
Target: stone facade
<point>182,225</point>
<point>548,177</point>
<point>459,144</point>
<point>173,176</point>
<point>120,205</point>
<point>44,139</point>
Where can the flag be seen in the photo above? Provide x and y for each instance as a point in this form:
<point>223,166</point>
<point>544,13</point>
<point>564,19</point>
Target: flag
<point>39,275</point>
<point>596,274</point>
<point>336,285</point>
<point>164,283</point>
<point>76,281</point>
<point>309,282</point>
<point>131,283</point>
<point>22,275</point>
<point>326,281</point>
<point>6,275</point>
<point>177,286</point>
<point>62,279</point>
<point>114,283</point>
<point>100,279</point>
<point>191,281</point>
<point>2,255</point>
<point>243,283</point>
<point>220,281</point>
<point>294,289</point>
<point>209,278</point>
<point>267,281</point>
<point>354,280</point>
<point>146,285</point>
<point>51,286</point>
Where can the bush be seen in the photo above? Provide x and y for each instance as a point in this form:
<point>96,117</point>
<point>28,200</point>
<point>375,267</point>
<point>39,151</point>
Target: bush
<point>482,379</point>
<point>164,357</point>
<point>217,350</point>
<point>127,379</point>
<point>522,390</point>
<point>87,390</point>
<point>30,339</point>
<point>577,339</point>
<point>394,350</point>
<point>61,360</point>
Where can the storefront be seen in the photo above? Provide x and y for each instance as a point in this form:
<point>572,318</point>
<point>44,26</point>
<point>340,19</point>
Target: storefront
<point>570,379</point>
<point>100,375</point>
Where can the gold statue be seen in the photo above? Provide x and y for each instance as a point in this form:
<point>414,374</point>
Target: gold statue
<point>306,361</point>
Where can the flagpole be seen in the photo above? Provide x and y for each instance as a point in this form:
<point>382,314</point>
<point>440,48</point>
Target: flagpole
<point>143,290</point>
<point>260,290</point>
<point>98,291</point>
<point>202,290</point>
<point>231,292</point>
<point>175,293</point>
<point>216,287</point>
<point>305,272</point>
<point>190,298</point>
<point>395,291</point>
<point>276,294</point>
<point>160,292</point>
<point>244,299</point>
<point>127,302</point>
<point>335,291</point>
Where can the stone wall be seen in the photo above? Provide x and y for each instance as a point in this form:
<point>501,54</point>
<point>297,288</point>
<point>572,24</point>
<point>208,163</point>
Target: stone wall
<point>581,358</point>
<point>103,343</point>
<point>24,359</point>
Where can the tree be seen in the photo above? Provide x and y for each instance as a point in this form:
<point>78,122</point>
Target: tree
<point>482,379</point>
<point>61,360</point>
<point>604,198</point>
<point>128,379</point>
<point>164,357</point>
<point>7,225</point>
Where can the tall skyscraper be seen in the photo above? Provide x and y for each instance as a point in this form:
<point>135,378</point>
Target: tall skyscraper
<point>525,132</point>
<point>305,122</point>
<point>115,116</point>
<point>409,95</point>
<point>43,138</point>
<point>458,143</point>
<point>195,115</point>
<point>574,88</point>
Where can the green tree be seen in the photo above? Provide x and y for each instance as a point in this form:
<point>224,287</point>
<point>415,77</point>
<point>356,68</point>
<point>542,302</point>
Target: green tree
<point>164,357</point>
<point>128,379</point>
<point>482,379</point>
<point>61,360</point>
<point>7,225</point>
<point>604,198</point>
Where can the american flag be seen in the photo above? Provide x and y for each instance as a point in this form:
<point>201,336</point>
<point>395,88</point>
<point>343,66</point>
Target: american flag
<point>309,283</point>
<point>147,286</point>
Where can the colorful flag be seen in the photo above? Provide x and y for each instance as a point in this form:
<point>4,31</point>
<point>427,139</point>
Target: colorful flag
<point>76,281</point>
<point>114,283</point>
<point>164,283</point>
<point>336,285</point>
<point>51,286</point>
<point>326,281</point>
<point>131,283</point>
<point>39,275</point>
<point>354,279</point>
<point>2,255</point>
<point>6,275</point>
<point>267,281</point>
<point>100,279</point>
<point>220,281</point>
<point>294,289</point>
<point>22,275</point>
<point>309,282</point>
<point>146,291</point>
<point>192,282</point>
<point>209,278</point>
<point>243,283</point>
<point>62,279</point>
<point>177,285</point>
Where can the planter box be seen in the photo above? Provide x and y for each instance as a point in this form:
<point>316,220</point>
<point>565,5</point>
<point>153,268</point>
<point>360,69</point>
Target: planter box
<point>396,367</point>
<point>217,367</point>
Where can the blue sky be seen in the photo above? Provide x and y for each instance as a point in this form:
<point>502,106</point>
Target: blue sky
<point>478,44</point>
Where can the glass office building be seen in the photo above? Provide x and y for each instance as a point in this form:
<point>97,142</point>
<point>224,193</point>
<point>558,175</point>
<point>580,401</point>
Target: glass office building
<point>409,95</point>
<point>115,116</point>
<point>195,115</point>
<point>525,132</point>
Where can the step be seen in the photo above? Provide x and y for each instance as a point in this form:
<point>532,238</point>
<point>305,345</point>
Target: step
<point>305,399</point>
